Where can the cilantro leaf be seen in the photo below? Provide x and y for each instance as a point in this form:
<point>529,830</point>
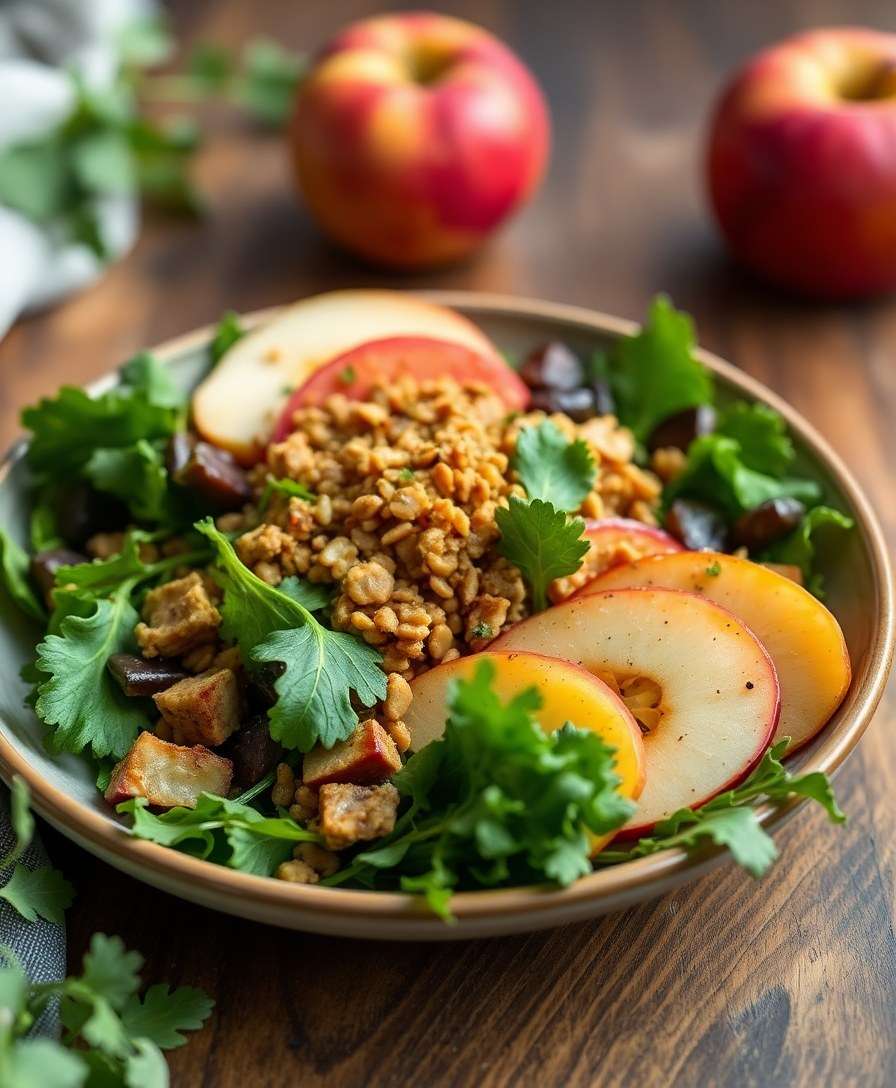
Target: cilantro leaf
<point>799,547</point>
<point>730,820</point>
<point>230,831</point>
<point>146,1067</point>
<point>273,486</point>
<point>552,468</point>
<point>313,695</point>
<point>229,330</point>
<point>35,1063</point>
<point>163,1014</point>
<point>542,542</point>
<point>147,376</point>
<point>43,893</point>
<point>14,578</point>
<point>717,472</point>
<point>110,970</point>
<point>496,801</point>
<point>136,474</point>
<point>323,667</point>
<point>655,373</point>
<point>77,697</point>
<point>761,434</point>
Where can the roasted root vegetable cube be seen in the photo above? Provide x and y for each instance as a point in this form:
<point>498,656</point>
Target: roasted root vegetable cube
<point>369,755</point>
<point>350,814</point>
<point>168,774</point>
<point>178,616</point>
<point>203,709</point>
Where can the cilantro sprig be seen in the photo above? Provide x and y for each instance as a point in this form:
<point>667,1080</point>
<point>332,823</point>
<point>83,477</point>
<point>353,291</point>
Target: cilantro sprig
<point>111,1035</point>
<point>536,534</point>
<point>324,668</point>
<point>496,801</point>
<point>730,819</point>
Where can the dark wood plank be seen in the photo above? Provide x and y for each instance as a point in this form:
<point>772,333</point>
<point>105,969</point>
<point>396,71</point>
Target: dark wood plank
<point>791,981</point>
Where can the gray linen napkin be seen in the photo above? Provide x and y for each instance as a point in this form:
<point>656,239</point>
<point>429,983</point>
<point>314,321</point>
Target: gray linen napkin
<point>39,946</point>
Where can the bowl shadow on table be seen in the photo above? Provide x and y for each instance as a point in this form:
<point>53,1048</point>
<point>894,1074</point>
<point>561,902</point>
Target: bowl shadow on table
<point>567,999</point>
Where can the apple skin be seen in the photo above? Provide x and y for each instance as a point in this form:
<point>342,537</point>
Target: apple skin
<point>801,163</point>
<point>415,136</point>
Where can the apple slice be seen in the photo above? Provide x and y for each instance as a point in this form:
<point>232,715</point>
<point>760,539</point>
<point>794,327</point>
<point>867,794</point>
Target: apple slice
<point>715,686</point>
<point>236,406</point>
<point>803,638</point>
<point>356,372</point>
<point>569,694</point>
<point>613,541</point>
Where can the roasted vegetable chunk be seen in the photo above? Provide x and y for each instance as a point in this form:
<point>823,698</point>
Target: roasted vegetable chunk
<point>369,755</point>
<point>168,774</point>
<point>203,709</point>
<point>350,814</point>
<point>178,617</point>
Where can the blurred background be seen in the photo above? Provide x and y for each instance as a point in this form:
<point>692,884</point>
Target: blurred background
<point>803,966</point>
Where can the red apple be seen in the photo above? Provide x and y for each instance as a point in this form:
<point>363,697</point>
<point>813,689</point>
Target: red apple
<point>802,163</point>
<point>415,135</point>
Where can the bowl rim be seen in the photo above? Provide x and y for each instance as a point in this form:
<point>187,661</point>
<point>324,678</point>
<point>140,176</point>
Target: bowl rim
<point>265,897</point>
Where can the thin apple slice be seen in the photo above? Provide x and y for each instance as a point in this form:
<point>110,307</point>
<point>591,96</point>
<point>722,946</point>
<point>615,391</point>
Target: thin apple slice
<point>236,406</point>
<point>716,689</point>
<point>569,694</point>
<point>356,372</point>
<point>613,541</point>
<point>803,638</point>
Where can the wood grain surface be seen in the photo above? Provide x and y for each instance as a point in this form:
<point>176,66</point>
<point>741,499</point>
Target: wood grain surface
<point>791,981</point>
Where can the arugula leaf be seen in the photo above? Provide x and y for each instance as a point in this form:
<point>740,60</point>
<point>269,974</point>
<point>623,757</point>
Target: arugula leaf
<point>230,831</point>
<point>799,547</point>
<point>654,373</point>
<point>552,468</point>
<point>496,801</point>
<point>136,474</point>
<point>717,472</point>
<point>761,434</point>
<point>542,542</point>
<point>164,1014</point>
<point>323,667</point>
<point>42,892</point>
<point>227,333</point>
<point>15,579</point>
<point>78,698</point>
<point>730,820</point>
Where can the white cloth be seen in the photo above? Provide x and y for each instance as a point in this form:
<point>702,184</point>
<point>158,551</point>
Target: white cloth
<point>40,42</point>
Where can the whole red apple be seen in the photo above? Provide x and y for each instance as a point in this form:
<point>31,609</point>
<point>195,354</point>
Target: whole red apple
<point>415,135</point>
<point>802,163</point>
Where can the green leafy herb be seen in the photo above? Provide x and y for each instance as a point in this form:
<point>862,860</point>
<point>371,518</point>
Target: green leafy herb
<point>14,578</point>
<point>717,472</point>
<point>655,373</point>
<point>75,695</point>
<point>543,542</point>
<point>269,80</point>
<point>348,375</point>
<point>496,801</point>
<point>111,1037</point>
<point>229,330</point>
<point>799,547</point>
<point>730,820</point>
<point>292,488</point>
<point>323,668</point>
<point>483,630</point>
<point>43,892</point>
<point>552,468</point>
<point>136,474</point>
<point>406,475</point>
<point>761,434</point>
<point>228,831</point>
<point>714,569</point>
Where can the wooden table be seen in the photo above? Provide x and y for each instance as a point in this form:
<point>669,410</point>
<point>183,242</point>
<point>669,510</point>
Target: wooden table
<point>789,981</point>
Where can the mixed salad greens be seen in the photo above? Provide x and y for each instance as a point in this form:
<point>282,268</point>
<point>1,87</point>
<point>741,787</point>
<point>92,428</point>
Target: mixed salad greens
<point>496,801</point>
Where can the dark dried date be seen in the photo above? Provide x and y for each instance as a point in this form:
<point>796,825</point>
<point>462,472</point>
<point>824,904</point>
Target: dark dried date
<point>553,366</point>
<point>699,526</point>
<point>766,523</point>
<point>681,429</point>
<point>253,751</point>
<point>45,564</point>
<point>136,676</point>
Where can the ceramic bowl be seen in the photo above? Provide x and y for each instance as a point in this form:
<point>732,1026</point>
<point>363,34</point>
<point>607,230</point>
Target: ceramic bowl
<point>859,590</point>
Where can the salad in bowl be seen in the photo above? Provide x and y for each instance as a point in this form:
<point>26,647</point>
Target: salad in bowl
<point>378,607</point>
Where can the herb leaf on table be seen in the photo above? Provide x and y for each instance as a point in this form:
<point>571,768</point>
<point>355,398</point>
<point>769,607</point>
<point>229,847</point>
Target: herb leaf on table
<point>543,542</point>
<point>497,800</point>
<point>323,667</point>
<point>730,819</point>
